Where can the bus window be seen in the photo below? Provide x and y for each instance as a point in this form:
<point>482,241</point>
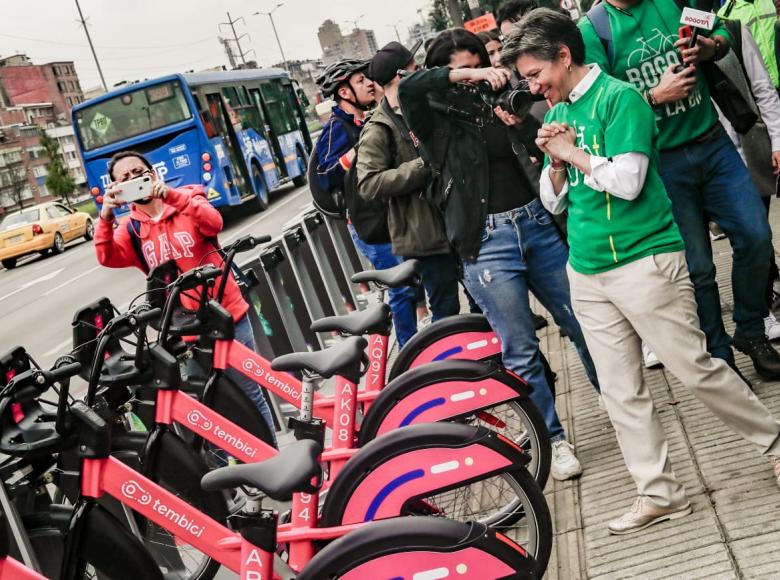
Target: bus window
<point>131,114</point>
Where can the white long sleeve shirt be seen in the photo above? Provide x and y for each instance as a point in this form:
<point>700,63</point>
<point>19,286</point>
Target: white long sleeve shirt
<point>622,175</point>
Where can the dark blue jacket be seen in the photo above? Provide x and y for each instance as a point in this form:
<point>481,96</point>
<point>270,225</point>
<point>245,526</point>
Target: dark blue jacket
<point>334,141</point>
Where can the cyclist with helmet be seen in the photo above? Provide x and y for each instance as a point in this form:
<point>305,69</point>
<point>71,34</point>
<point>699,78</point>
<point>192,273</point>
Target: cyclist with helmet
<point>346,83</point>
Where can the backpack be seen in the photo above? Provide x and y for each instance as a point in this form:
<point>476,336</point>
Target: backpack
<point>369,218</point>
<point>723,90</point>
<point>134,229</point>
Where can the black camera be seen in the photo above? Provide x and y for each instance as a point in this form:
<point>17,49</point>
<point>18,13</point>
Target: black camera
<point>476,102</point>
<point>516,99</point>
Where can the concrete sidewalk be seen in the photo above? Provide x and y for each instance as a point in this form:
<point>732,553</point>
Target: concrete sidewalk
<point>734,531</point>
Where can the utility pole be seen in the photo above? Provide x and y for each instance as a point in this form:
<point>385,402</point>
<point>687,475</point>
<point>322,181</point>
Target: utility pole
<point>278,43</point>
<point>91,46</point>
<point>236,38</point>
<point>395,27</point>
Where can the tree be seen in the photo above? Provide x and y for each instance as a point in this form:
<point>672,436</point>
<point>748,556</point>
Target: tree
<point>439,17</point>
<point>59,181</point>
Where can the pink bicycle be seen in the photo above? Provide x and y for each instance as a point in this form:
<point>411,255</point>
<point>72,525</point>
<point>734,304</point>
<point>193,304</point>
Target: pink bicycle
<point>405,548</point>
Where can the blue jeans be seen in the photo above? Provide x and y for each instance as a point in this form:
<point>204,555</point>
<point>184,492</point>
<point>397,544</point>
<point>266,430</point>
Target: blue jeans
<point>244,335</point>
<point>440,279</point>
<point>708,180</point>
<point>402,300</point>
<point>521,251</point>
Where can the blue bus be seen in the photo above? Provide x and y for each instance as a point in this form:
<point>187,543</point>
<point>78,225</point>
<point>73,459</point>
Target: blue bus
<point>241,134</point>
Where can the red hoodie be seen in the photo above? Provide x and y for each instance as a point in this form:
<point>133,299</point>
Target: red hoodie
<point>181,234</point>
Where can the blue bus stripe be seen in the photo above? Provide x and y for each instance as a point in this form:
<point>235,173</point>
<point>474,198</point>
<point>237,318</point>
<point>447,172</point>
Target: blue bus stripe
<point>390,488</point>
<point>448,353</point>
<point>421,409</point>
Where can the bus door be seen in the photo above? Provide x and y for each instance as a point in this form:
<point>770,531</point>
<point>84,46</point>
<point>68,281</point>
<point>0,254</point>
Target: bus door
<point>299,102</point>
<point>225,119</point>
<point>270,132</point>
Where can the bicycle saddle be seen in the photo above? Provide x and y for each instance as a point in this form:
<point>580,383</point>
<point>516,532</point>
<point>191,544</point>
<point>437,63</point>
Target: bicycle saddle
<point>373,320</point>
<point>291,471</point>
<point>341,359</point>
<point>407,274</point>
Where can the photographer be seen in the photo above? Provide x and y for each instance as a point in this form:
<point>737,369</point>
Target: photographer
<point>172,224</point>
<point>487,187</point>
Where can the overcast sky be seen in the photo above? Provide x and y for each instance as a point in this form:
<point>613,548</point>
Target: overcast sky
<point>137,39</point>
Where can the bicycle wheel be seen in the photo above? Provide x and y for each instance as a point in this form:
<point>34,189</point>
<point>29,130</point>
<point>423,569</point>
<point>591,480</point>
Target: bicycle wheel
<point>520,421</point>
<point>511,503</point>
<point>108,549</point>
<point>179,470</point>
<point>421,547</point>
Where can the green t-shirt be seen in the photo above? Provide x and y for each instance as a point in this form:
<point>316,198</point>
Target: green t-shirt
<point>643,38</point>
<point>605,231</point>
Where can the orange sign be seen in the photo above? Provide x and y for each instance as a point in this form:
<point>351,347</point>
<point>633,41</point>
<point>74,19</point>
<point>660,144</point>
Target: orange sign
<point>481,24</point>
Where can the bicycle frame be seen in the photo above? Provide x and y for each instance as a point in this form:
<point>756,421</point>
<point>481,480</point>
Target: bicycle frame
<point>10,569</point>
<point>110,476</point>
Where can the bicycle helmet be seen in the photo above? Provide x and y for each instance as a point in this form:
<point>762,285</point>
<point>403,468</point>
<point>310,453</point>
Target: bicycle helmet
<point>337,73</point>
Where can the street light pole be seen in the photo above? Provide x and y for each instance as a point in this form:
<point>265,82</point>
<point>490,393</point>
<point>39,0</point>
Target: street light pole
<point>273,25</point>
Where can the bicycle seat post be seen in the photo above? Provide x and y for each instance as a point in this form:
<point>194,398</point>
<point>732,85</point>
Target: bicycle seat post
<point>310,380</point>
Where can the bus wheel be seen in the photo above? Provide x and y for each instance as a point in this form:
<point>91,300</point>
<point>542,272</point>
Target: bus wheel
<point>300,180</point>
<point>261,197</point>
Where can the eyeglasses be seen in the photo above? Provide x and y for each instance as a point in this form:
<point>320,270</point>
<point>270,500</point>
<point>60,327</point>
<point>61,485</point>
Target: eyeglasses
<point>137,172</point>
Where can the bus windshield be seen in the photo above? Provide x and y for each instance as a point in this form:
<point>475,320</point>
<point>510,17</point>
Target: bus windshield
<point>131,114</point>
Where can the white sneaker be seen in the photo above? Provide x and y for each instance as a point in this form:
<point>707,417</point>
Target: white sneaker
<point>565,464</point>
<point>651,361</point>
<point>771,327</point>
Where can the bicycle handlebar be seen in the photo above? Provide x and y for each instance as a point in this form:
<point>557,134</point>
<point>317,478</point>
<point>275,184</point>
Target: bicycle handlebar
<point>33,383</point>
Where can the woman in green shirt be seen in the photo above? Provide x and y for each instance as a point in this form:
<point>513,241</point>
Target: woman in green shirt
<point>629,281</point>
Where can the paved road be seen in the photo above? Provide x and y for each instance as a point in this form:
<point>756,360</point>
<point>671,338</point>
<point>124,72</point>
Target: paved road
<point>39,297</point>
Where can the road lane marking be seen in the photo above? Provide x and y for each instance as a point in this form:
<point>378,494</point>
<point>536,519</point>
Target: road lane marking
<point>26,285</point>
<point>71,281</point>
<point>58,348</point>
<point>233,235</point>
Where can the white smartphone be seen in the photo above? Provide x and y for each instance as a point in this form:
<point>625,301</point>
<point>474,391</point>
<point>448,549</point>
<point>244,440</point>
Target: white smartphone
<point>133,189</point>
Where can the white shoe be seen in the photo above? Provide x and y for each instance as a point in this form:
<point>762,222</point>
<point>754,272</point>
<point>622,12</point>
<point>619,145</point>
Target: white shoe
<point>565,464</point>
<point>771,327</point>
<point>651,361</point>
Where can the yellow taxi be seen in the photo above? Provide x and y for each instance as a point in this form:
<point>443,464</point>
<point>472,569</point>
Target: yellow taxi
<point>41,228</point>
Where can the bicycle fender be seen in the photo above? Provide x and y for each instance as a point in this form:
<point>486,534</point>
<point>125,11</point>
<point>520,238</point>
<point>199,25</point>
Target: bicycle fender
<point>386,476</point>
<point>466,336</point>
<point>440,391</point>
<point>421,547</point>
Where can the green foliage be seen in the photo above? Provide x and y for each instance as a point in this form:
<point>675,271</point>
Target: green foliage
<point>439,17</point>
<point>59,181</point>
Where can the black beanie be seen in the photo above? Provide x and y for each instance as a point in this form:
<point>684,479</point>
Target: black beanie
<point>386,62</point>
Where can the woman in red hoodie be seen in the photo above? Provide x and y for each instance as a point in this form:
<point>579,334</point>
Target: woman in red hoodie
<point>173,224</point>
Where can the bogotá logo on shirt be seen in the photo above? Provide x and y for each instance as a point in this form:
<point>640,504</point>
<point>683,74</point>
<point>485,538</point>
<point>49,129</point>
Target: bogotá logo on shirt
<point>648,61</point>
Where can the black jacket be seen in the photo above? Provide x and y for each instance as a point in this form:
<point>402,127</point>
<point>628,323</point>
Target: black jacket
<point>455,149</point>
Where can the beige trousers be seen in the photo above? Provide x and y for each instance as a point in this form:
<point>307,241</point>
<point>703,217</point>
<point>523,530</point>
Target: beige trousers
<point>652,300</point>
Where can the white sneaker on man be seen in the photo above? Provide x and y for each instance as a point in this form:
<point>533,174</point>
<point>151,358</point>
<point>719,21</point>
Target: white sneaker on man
<point>651,361</point>
<point>565,464</point>
<point>644,514</point>
<point>771,327</point>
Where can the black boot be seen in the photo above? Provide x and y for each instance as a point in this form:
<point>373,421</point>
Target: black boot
<point>539,321</point>
<point>765,359</point>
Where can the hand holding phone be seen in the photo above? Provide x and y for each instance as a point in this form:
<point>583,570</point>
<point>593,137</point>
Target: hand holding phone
<point>134,189</point>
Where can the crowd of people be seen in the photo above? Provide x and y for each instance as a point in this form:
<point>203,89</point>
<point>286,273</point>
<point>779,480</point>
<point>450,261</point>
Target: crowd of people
<point>597,198</point>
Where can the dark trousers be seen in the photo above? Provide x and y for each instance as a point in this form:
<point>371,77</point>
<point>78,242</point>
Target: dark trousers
<point>440,280</point>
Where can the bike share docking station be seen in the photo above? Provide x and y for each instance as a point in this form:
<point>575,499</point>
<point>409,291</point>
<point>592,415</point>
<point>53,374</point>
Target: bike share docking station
<point>301,276</point>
